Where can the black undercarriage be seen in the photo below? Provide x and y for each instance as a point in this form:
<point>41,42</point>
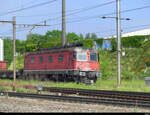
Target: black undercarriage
<point>59,75</point>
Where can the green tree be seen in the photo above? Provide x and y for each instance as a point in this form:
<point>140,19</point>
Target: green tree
<point>93,36</point>
<point>81,36</point>
<point>88,43</point>
<point>50,35</point>
<point>8,50</point>
<point>113,44</point>
<point>54,37</point>
<point>133,41</point>
<point>20,46</point>
<point>33,38</point>
<point>99,41</point>
<point>87,36</point>
<point>72,37</point>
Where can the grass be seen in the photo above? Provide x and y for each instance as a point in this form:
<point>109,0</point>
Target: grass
<point>132,85</point>
<point>130,64</point>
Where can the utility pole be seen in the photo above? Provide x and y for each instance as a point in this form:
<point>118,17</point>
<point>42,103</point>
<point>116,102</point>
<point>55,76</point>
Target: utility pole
<point>63,22</point>
<point>118,25</point>
<point>14,53</point>
<point>13,22</point>
<point>118,43</point>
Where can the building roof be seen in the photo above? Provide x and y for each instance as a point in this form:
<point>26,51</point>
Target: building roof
<point>133,33</point>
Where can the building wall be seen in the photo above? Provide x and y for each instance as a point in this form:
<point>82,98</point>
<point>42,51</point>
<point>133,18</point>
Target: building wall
<point>1,50</point>
<point>140,32</point>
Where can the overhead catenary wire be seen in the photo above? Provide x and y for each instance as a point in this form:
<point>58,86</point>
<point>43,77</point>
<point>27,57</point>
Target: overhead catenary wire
<point>31,2</point>
<point>97,16</point>
<point>29,7</point>
<point>104,31</point>
<point>78,10</point>
<point>89,8</point>
<point>81,10</point>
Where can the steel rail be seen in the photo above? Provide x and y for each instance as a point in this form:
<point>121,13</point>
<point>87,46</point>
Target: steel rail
<point>80,99</point>
<point>99,93</point>
<point>95,91</point>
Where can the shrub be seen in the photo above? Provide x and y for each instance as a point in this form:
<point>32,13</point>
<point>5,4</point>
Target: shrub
<point>2,89</point>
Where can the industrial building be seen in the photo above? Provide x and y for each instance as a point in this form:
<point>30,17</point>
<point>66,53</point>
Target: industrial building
<point>1,50</point>
<point>106,43</point>
<point>3,64</point>
<point>133,33</point>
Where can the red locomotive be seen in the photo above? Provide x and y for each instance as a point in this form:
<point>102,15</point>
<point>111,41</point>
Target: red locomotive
<point>59,63</point>
<point>63,63</point>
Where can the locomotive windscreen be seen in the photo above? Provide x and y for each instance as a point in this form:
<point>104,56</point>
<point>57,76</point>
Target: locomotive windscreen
<point>93,57</point>
<point>81,56</point>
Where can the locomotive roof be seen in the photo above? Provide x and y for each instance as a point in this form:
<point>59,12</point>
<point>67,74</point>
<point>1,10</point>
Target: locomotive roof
<point>61,49</point>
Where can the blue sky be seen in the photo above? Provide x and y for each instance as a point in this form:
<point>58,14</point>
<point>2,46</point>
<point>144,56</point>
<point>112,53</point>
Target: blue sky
<point>90,19</point>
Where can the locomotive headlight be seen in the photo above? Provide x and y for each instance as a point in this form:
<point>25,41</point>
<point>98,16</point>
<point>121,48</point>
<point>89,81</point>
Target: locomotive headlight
<point>98,74</point>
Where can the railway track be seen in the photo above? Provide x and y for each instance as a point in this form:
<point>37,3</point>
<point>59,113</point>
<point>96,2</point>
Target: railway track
<point>110,101</point>
<point>101,93</point>
<point>140,99</point>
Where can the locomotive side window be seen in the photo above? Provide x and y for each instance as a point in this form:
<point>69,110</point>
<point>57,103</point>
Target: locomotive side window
<point>60,58</point>
<point>93,57</point>
<point>41,59</point>
<point>32,60</point>
<point>50,58</point>
<point>45,58</point>
<point>81,56</point>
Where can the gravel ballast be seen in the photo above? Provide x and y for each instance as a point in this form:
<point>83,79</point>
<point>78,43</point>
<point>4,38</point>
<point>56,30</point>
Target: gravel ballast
<point>13,104</point>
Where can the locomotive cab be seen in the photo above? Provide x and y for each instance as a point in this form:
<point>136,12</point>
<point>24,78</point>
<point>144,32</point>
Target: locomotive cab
<point>87,63</point>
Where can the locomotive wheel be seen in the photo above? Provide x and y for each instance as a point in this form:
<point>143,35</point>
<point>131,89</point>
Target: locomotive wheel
<point>45,79</point>
<point>76,79</point>
<point>56,78</point>
<point>20,77</point>
<point>41,77</point>
<point>95,79</point>
<point>28,77</point>
<point>83,79</point>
